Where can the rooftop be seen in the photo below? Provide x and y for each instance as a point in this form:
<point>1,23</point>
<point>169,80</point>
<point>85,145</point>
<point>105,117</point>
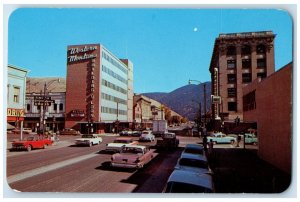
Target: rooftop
<point>53,84</point>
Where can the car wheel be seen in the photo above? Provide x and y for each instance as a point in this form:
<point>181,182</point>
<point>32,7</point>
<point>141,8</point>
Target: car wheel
<point>45,146</point>
<point>214,142</point>
<point>232,141</point>
<point>29,148</point>
<point>91,144</point>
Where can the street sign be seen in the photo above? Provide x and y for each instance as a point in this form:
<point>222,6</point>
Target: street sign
<point>215,99</point>
<point>40,97</point>
<point>42,102</point>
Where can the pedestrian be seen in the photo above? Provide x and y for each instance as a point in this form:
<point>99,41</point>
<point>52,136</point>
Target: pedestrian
<point>205,142</point>
<point>210,147</point>
<point>238,141</point>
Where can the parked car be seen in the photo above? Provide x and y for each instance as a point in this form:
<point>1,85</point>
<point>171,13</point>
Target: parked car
<point>32,142</point>
<point>132,156</point>
<point>147,136</point>
<point>136,133</point>
<point>119,143</point>
<point>69,131</point>
<point>182,181</point>
<point>194,149</point>
<point>125,133</point>
<point>193,162</point>
<point>250,139</point>
<point>219,138</point>
<point>88,140</point>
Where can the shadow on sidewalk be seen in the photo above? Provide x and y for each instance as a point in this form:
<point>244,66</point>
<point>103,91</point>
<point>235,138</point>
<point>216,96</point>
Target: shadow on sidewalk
<point>242,171</point>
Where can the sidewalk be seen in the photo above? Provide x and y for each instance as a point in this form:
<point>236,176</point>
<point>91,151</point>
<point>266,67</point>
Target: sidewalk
<point>242,171</point>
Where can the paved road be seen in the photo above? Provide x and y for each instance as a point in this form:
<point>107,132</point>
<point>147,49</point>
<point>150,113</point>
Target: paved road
<point>66,168</point>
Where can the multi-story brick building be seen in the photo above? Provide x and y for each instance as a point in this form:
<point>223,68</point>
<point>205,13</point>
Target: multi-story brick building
<point>99,89</point>
<point>237,60</point>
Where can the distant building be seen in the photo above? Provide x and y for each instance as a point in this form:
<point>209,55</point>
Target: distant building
<point>237,60</point>
<point>54,117</point>
<point>268,102</point>
<point>99,89</point>
<point>16,89</point>
<point>142,114</point>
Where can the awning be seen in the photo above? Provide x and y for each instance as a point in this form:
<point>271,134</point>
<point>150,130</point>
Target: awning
<point>10,127</point>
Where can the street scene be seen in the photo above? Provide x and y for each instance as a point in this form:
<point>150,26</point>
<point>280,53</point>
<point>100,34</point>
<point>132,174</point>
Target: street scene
<point>170,107</point>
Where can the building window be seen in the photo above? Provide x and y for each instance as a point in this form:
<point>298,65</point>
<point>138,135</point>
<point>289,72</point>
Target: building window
<point>231,106</point>
<point>231,78</point>
<point>231,50</point>
<point>61,107</point>
<point>231,92</point>
<point>247,78</point>
<point>231,64</point>
<point>249,101</point>
<point>39,107</point>
<point>246,50</point>
<point>28,107</point>
<point>16,94</point>
<point>260,49</point>
<point>261,63</point>
<point>55,107</point>
<point>246,63</point>
<point>261,75</point>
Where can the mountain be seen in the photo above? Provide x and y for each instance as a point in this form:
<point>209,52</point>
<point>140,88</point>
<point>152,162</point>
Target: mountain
<point>185,100</point>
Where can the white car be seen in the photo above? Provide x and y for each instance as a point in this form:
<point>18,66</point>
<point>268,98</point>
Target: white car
<point>119,143</point>
<point>88,140</point>
<point>182,181</point>
<point>147,136</point>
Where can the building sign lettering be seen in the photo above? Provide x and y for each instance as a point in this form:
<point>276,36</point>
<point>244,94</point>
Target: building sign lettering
<point>77,113</point>
<point>15,112</point>
<point>76,53</point>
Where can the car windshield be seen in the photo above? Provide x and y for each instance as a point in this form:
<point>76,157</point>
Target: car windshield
<point>193,151</point>
<point>193,163</point>
<point>132,150</point>
<point>122,141</point>
<point>87,136</point>
<point>179,187</point>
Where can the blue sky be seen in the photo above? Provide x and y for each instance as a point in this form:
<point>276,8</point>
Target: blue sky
<point>167,46</point>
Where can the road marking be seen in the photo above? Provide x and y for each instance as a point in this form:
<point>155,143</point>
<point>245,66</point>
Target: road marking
<point>44,169</point>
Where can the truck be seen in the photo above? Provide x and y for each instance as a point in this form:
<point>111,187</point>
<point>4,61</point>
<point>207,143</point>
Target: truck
<point>167,141</point>
<point>159,127</point>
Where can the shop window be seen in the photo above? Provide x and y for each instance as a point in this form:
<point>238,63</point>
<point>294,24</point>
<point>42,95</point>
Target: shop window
<point>231,50</point>
<point>231,106</point>
<point>247,78</point>
<point>246,63</point>
<point>231,92</point>
<point>231,64</point>
<point>231,78</point>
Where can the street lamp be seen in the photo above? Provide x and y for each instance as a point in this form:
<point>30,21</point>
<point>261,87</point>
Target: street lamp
<point>204,95</point>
